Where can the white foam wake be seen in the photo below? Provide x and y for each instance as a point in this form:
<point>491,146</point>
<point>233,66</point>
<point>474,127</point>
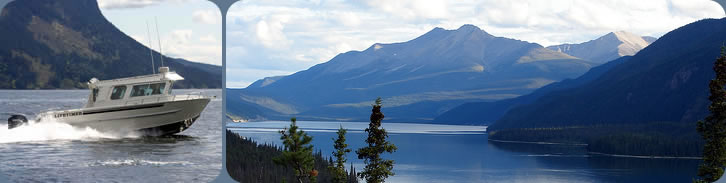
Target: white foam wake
<point>138,162</point>
<point>50,130</point>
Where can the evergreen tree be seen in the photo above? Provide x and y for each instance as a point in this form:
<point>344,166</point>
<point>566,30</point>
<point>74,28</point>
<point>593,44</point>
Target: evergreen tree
<point>377,169</point>
<point>297,152</point>
<point>341,148</point>
<point>352,178</point>
<point>713,128</point>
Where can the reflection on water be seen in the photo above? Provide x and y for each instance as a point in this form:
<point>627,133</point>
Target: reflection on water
<point>451,153</point>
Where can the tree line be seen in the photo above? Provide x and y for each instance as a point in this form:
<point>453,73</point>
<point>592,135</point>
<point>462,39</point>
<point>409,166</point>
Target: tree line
<point>652,139</point>
<point>295,161</point>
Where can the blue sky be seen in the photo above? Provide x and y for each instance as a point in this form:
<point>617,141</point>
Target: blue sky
<point>270,38</point>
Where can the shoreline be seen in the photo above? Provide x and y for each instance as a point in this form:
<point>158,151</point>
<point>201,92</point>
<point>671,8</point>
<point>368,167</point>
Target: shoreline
<point>541,143</point>
<point>602,154</point>
<point>645,157</point>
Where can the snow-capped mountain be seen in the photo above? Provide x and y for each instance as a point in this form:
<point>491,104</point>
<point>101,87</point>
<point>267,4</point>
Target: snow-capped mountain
<point>606,48</point>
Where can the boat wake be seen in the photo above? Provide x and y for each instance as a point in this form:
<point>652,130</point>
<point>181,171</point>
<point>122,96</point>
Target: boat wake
<point>138,162</point>
<point>51,130</point>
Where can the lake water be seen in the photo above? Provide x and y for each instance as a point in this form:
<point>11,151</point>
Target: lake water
<point>453,153</point>
<point>61,153</point>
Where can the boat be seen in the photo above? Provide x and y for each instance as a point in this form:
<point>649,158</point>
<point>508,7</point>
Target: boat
<point>135,104</point>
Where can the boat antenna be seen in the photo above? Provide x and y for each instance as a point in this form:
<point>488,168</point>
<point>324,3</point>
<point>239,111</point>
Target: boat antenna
<point>151,53</point>
<point>157,36</point>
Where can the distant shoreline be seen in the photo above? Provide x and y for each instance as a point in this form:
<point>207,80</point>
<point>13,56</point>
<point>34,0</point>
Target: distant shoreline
<point>645,157</point>
<point>599,153</point>
<point>541,143</point>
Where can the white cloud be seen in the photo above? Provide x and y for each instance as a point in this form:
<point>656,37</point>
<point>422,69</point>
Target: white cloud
<point>295,35</point>
<point>208,38</point>
<point>180,36</point>
<point>123,4</point>
<point>120,4</point>
<point>271,35</point>
<point>348,18</point>
<point>206,16</point>
<point>182,43</point>
<point>182,25</point>
<point>412,9</point>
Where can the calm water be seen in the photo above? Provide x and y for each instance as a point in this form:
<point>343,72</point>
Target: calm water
<point>60,153</point>
<point>451,153</point>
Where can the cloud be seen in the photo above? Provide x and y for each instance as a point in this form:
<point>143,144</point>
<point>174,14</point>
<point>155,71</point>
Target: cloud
<point>180,36</point>
<point>125,4</point>
<point>271,35</point>
<point>412,9</point>
<point>182,43</point>
<point>349,19</point>
<point>206,16</point>
<point>295,35</point>
<point>208,38</point>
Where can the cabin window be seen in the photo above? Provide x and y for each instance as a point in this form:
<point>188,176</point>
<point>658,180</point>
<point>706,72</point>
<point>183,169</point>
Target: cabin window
<point>95,94</point>
<point>118,92</point>
<point>148,89</point>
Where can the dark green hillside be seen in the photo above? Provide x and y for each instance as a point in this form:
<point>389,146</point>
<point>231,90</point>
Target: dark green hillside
<point>64,43</point>
<point>648,105</point>
<point>665,82</point>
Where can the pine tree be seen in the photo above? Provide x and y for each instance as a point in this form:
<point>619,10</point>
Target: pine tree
<point>297,152</point>
<point>341,148</point>
<point>352,178</point>
<point>377,169</point>
<point>713,128</point>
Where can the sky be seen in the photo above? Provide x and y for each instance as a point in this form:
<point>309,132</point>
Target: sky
<point>188,29</point>
<point>270,38</point>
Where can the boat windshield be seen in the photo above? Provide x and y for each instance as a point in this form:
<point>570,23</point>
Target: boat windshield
<point>148,89</point>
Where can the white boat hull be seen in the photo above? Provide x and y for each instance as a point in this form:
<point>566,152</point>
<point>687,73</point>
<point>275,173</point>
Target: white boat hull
<point>154,119</point>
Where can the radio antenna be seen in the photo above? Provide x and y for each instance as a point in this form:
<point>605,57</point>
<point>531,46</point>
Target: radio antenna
<point>157,36</point>
<point>151,53</point>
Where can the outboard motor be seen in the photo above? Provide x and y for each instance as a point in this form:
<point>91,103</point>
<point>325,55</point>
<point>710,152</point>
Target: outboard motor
<point>16,120</point>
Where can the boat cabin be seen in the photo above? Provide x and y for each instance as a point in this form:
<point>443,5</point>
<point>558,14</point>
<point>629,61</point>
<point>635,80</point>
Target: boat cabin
<point>132,90</point>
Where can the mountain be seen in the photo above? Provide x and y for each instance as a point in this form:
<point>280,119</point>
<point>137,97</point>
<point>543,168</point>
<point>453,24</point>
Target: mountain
<point>417,79</point>
<point>649,39</point>
<point>484,113</point>
<point>606,48</point>
<point>63,44</point>
<point>665,82</point>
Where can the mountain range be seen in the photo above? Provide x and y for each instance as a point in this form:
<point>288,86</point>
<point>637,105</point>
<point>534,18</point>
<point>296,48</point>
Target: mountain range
<point>63,44</point>
<point>606,48</point>
<point>418,79</point>
<point>665,82</point>
<point>479,113</point>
